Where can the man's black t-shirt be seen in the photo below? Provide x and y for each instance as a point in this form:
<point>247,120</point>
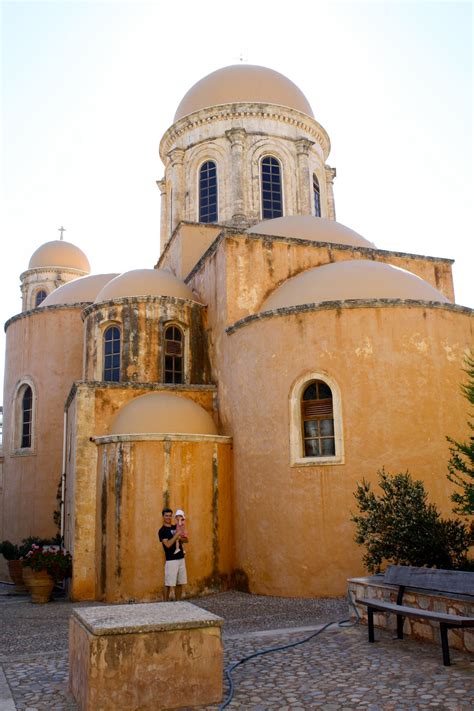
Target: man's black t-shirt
<point>167,532</point>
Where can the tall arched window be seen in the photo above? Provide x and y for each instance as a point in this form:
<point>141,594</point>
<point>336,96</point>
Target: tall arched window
<point>317,196</point>
<point>26,418</point>
<point>40,296</point>
<point>111,370</point>
<point>208,192</point>
<point>174,359</point>
<point>272,195</point>
<point>317,420</point>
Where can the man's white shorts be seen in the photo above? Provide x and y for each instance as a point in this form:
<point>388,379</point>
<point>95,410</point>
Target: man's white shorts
<point>175,573</point>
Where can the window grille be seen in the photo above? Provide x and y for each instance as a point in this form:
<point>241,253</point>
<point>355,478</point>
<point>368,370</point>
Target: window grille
<point>272,198</point>
<point>208,192</point>
<point>317,196</point>
<point>111,373</point>
<point>173,369</point>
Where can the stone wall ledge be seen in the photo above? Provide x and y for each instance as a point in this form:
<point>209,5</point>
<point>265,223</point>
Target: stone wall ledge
<point>158,437</point>
<point>423,629</point>
<point>145,387</point>
<point>348,304</point>
<point>145,617</point>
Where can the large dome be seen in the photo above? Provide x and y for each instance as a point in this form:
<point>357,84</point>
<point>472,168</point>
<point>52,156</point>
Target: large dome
<point>78,291</point>
<point>243,83</point>
<point>162,413</point>
<point>145,282</point>
<point>354,279</point>
<point>316,229</point>
<point>59,253</point>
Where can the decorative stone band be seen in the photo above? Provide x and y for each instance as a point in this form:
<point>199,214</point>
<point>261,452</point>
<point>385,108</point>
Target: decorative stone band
<point>154,437</point>
<point>347,304</point>
<point>227,112</point>
<point>54,307</point>
<point>140,300</point>
<point>48,270</point>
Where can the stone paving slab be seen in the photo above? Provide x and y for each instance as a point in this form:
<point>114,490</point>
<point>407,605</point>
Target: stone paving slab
<point>335,671</point>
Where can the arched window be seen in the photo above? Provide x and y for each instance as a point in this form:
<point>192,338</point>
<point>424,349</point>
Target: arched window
<point>317,196</point>
<point>317,420</point>
<point>208,192</point>
<point>272,197</point>
<point>174,355</point>
<point>26,418</point>
<point>40,296</point>
<point>111,371</point>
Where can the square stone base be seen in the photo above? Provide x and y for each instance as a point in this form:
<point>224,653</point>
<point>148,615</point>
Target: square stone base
<point>145,657</point>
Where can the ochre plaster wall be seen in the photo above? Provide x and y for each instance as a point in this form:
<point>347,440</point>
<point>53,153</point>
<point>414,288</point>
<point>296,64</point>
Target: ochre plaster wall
<point>398,370</point>
<point>46,348</point>
<point>91,411</point>
<point>186,247</point>
<point>136,479</point>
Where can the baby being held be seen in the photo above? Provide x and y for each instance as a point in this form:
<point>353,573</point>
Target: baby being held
<point>181,529</point>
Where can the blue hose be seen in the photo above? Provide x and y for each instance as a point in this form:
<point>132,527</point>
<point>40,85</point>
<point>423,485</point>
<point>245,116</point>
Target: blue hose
<point>230,667</point>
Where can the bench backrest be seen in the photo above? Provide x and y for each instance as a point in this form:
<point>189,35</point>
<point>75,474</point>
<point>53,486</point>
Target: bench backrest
<point>449,581</point>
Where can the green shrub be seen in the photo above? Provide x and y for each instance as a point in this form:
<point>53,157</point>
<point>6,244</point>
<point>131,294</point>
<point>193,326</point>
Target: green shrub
<point>400,526</point>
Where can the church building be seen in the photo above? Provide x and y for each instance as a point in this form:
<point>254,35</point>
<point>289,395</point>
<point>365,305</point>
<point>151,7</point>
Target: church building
<point>270,360</point>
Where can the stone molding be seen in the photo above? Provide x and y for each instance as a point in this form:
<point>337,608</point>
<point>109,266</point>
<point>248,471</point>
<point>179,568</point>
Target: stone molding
<point>157,437</point>
<point>139,300</point>
<point>239,111</point>
<point>347,304</point>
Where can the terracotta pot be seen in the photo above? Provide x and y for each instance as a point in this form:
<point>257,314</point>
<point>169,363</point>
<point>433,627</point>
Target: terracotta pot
<point>41,586</point>
<point>15,568</point>
<point>27,577</point>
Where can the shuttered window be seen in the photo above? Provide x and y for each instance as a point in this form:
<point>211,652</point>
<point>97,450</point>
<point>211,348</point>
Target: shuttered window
<point>111,372</point>
<point>318,420</point>
<point>173,355</point>
<point>317,196</point>
<point>272,196</point>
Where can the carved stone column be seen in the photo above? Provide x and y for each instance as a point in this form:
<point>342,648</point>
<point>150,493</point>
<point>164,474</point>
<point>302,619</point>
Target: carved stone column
<point>176,158</point>
<point>330,175</point>
<point>163,213</point>
<point>237,138</point>
<point>303,202</point>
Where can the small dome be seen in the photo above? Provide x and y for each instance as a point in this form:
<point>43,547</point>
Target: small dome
<point>316,229</point>
<point>145,282</point>
<point>162,413</point>
<point>245,83</point>
<point>59,253</point>
<point>82,290</point>
<point>355,279</point>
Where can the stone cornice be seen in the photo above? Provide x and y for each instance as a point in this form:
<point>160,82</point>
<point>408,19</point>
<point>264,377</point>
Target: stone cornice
<point>45,270</point>
<point>157,437</point>
<point>126,300</point>
<point>242,111</point>
<point>54,307</point>
<point>347,304</point>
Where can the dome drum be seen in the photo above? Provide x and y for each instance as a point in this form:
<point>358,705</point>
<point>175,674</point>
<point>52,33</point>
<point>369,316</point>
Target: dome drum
<point>146,339</point>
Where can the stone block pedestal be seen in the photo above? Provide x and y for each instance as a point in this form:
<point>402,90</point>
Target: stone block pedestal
<point>145,657</point>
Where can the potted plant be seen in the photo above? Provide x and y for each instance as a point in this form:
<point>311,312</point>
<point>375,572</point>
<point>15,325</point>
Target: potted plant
<point>46,565</point>
<point>12,554</point>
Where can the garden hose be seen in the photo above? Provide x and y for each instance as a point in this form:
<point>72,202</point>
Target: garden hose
<point>230,667</point>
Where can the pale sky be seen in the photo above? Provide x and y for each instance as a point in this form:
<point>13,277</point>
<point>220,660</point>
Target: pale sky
<point>90,87</point>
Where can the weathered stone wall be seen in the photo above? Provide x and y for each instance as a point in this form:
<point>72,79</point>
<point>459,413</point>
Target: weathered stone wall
<point>398,370</point>
<point>44,348</point>
<point>91,408</point>
<point>427,630</point>
<point>142,321</point>
<point>137,477</point>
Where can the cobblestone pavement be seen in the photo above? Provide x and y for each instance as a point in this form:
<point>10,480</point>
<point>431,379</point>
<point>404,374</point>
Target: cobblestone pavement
<point>336,670</point>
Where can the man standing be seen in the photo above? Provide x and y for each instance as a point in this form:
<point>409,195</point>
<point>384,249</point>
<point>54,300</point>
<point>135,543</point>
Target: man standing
<point>175,567</point>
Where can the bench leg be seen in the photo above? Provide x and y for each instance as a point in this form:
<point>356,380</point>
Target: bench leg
<point>370,623</point>
<point>400,621</point>
<point>444,644</point>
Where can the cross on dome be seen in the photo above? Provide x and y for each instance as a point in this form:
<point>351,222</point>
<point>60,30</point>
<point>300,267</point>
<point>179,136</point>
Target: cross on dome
<point>62,229</point>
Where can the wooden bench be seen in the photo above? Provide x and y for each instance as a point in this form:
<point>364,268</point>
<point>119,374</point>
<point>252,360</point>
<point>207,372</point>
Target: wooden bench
<point>453,582</point>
